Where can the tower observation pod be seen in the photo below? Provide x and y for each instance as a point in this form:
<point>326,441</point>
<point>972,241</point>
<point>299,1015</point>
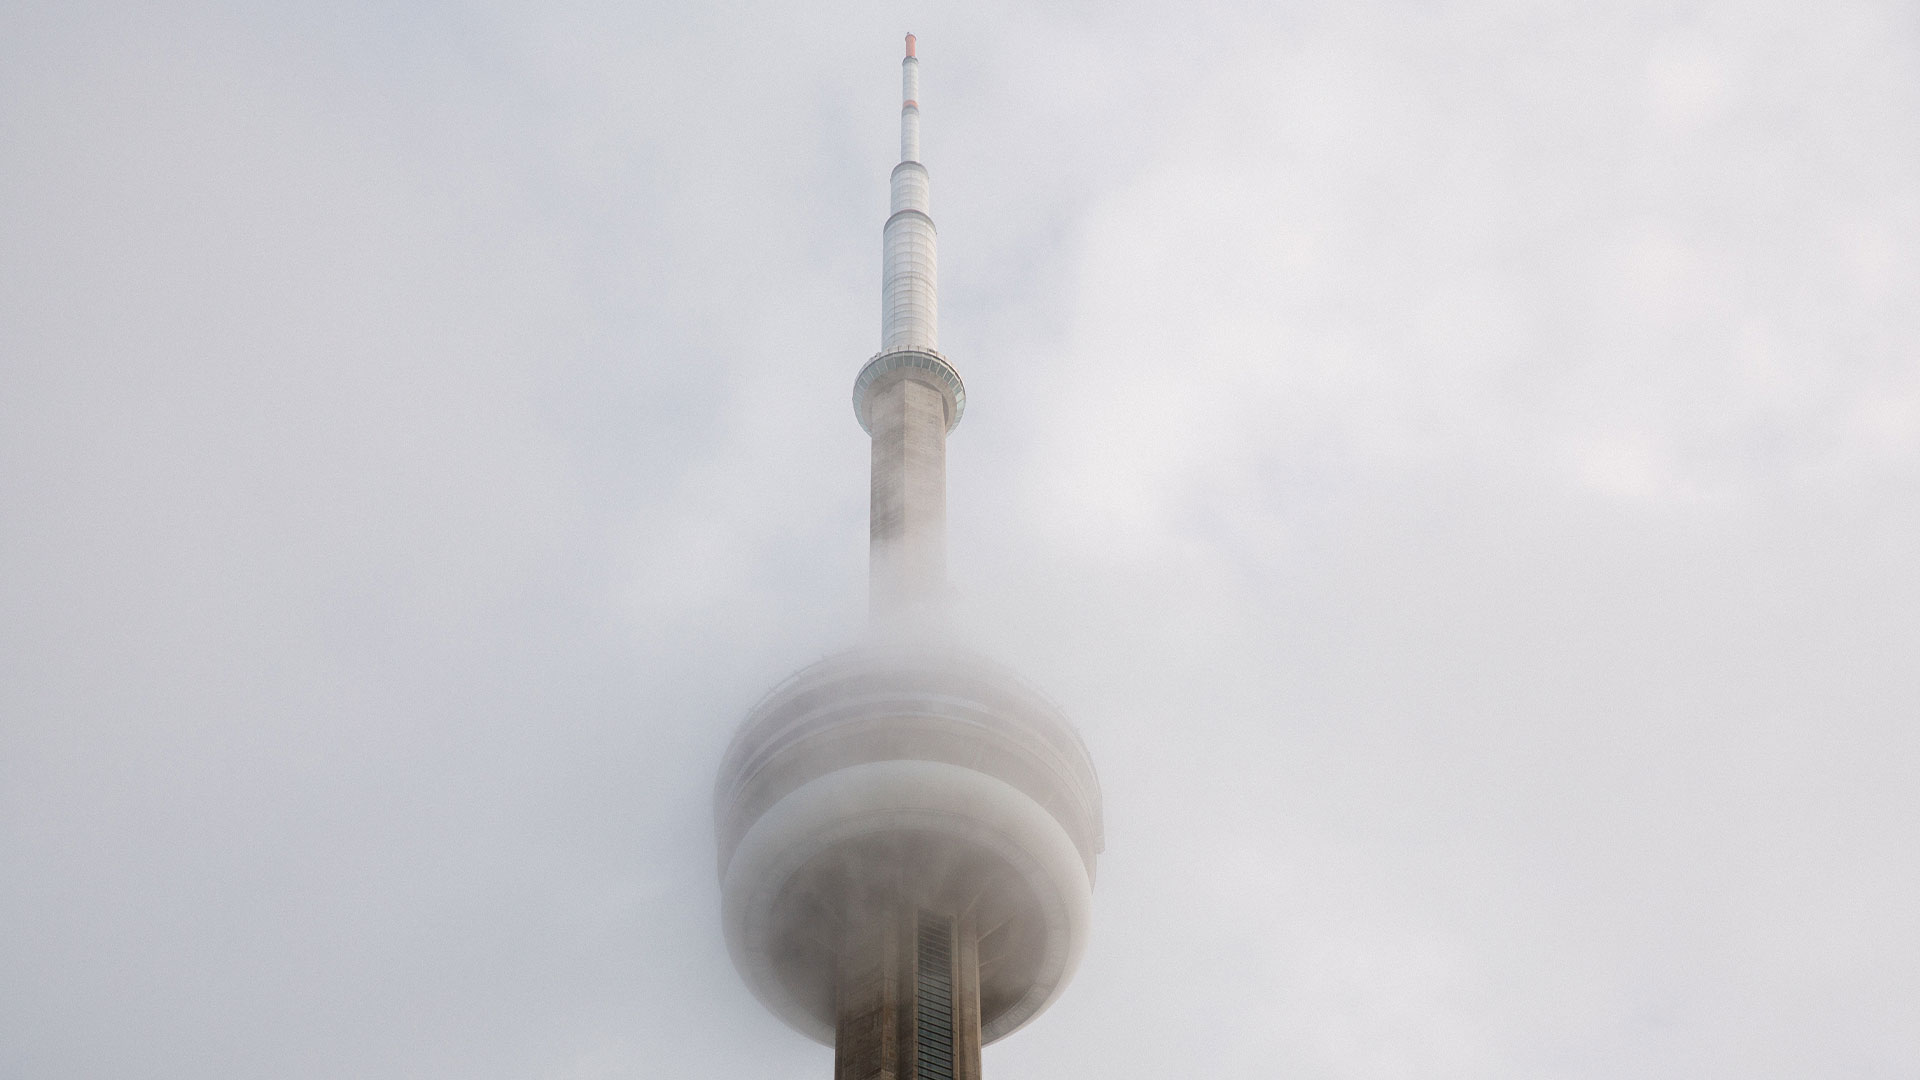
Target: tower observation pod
<point>907,831</point>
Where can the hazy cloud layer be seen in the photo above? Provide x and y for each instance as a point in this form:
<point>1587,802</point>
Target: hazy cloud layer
<point>1459,463</point>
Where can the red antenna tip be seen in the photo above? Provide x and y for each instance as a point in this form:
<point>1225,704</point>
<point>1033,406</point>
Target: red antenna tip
<point>909,44</point>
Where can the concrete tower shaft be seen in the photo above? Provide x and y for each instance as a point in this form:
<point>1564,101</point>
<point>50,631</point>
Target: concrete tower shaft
<point>908,397</point>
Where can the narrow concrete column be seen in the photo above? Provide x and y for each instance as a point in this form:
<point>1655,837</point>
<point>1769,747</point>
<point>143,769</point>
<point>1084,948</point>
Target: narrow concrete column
<point>866,1044</point>
<point>910,1066</point>
<point>966,1001</point>
<point>905,409</point>
<point>909,499</point>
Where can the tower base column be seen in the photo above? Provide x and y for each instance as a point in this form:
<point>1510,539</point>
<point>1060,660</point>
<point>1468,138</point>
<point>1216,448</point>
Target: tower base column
<point>907,998</point>
<point>867,992</point>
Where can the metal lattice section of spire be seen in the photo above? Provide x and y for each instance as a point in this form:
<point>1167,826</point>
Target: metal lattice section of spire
<point>933,1000</point>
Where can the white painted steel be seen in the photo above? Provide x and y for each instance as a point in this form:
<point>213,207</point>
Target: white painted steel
<point>910,109</point>
<point>911,190</point>
<point>909,291</point>
<point>910,310</point>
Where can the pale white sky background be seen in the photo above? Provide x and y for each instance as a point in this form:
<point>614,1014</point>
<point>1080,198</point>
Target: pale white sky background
<point>1458,462</point>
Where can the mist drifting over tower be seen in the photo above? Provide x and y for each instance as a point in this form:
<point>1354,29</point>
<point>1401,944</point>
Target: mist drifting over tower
<point>907,831</point>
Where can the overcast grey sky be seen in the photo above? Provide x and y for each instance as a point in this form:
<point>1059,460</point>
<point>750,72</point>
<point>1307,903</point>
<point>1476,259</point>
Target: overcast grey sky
<point>1458,462</point>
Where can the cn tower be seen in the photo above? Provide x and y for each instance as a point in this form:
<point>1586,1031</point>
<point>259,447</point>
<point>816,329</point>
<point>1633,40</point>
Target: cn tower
<point>907,830</point>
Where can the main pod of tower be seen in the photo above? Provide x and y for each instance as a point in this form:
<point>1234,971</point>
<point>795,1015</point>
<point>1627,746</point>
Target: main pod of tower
<point>907,831</point>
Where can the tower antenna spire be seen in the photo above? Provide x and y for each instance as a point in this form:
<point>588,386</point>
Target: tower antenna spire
<point>910,105</point>
<point>911,316</point>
